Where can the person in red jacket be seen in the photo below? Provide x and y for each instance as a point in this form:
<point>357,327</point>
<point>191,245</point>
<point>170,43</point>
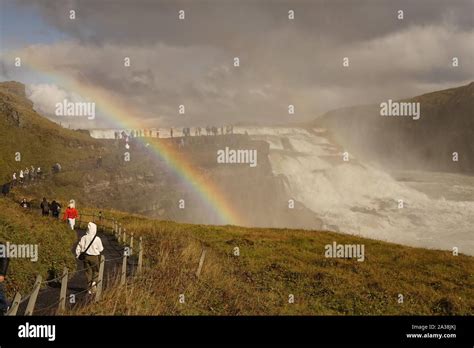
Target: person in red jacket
<point>71,214</point>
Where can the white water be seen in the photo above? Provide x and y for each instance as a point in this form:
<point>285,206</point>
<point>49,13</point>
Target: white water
<point>358,198</point>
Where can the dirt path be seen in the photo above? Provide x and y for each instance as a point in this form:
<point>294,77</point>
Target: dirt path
<point>48,297</point>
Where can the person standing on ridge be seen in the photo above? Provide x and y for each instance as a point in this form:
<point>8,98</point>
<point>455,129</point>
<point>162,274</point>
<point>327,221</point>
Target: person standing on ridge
<point>71,214</point>
<point>99,162</point>
<point>45,207</point>
<point>55,209</point>
<point>6,189</point>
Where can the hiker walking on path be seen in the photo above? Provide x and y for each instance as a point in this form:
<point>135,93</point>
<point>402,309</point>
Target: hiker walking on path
<point>14,179</point>
<point>71,214</point>
<point>21,176</point>
<point>3,273</point>
<point>88,250</point>
<point>55,209</point>
<point>45,207</point>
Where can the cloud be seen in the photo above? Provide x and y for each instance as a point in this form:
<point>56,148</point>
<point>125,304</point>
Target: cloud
<point>45,96</point>
<point>283,62</point>
<point>230,23</point>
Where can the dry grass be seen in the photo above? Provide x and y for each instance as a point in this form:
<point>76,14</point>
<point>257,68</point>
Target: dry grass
<point>275,263</point>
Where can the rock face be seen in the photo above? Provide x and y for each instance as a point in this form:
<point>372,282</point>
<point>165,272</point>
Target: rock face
<point>12,116</point>
<point>257,195</point>
<point>446,126</point>
<point>13,89</point>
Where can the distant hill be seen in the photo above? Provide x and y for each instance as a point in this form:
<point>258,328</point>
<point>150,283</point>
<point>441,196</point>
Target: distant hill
<point>446,125</point>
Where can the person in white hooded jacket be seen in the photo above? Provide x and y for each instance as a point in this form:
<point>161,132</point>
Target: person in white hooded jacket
<point>91,245</point>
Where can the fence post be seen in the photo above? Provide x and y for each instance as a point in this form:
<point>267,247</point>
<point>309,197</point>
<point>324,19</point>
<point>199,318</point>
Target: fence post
<point>140,255</point>
<point>34,295</point>
<point>131,244</point>
<point>100,281</point>
<point>115,227</point>
<point>63,293</point>
<point>201,262</point>
<point>15,305</point>
<point>124,236</point>
<point>124,270</point>
<point>119,232</point>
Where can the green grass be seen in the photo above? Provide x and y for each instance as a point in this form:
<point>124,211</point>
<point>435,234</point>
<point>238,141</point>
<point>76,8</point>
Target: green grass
<point>54,242</point>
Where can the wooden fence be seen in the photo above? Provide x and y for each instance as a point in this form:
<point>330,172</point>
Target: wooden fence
<point>106,225</point>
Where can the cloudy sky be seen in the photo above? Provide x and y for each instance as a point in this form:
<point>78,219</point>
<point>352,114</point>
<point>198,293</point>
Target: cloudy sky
<point>191,61</point>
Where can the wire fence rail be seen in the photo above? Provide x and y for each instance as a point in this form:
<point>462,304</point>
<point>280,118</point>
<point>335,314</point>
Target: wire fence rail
<point>119,234</point>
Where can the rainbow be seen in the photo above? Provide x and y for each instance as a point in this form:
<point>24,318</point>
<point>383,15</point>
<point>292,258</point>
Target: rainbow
<point>122,116</point>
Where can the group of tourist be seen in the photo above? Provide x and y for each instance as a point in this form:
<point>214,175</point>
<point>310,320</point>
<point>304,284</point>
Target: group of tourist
<point>88,249</point>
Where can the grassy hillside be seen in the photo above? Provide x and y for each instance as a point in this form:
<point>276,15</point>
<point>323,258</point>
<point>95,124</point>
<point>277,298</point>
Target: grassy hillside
<point>40,142</point>
<point>53,238</point>
<point>275,263</point>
